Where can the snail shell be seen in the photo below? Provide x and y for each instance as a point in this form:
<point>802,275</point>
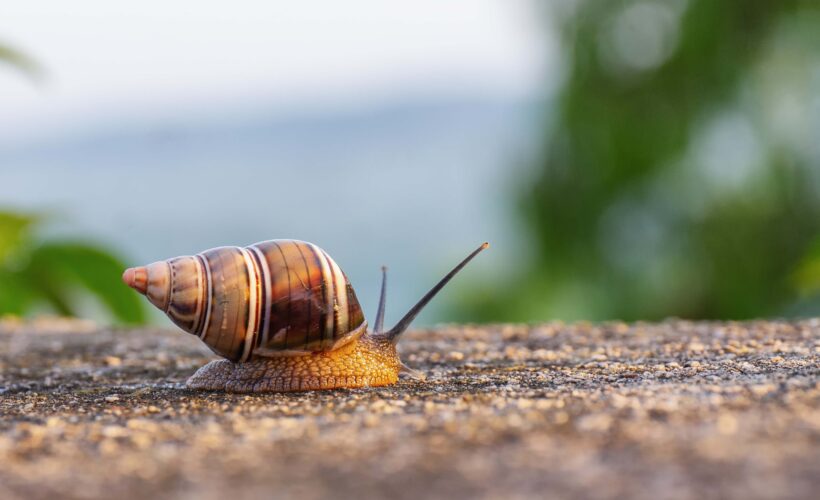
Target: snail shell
<point>272,298</point>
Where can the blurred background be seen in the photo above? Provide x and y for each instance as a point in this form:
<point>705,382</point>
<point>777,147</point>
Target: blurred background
<point>626,159</point>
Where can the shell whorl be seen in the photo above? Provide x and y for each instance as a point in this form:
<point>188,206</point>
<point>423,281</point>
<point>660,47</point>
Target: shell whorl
<point>271,298</point>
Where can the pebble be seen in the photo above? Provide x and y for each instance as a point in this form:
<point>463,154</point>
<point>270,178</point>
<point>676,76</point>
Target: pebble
<point>113,361</point>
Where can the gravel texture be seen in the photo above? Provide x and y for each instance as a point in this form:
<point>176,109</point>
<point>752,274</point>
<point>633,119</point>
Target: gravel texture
<point>671,410</point>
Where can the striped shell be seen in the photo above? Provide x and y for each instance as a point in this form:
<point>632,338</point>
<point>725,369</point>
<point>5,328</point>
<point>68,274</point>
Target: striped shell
<point>269,299</point>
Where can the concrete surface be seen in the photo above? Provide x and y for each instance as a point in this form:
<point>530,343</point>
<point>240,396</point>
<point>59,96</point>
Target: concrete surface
<point>671,410</point>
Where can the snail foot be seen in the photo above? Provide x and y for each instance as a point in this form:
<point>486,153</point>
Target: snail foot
<point>367,363</point>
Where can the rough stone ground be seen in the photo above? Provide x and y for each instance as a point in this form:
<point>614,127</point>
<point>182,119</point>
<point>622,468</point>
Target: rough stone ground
<point>671,410</point>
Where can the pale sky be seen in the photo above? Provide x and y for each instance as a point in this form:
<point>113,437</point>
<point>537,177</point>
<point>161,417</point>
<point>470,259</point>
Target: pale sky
<point>110,61</point>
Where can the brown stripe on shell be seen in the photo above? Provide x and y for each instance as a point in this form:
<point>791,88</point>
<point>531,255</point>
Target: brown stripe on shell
<point>301,297</point>
<point>328,339</point>
<point>328,294</point>
<point>204,296</point>
<point>309,328</point>
<point>341,320</point>
<point>354,310</point>
<point>314,301</point>
<point>321,293</point>
<point>287,323</point>
<point>243,338</point>
<point>225,333</point>
<point>299,301</point>
<point>275,336</point>
<point>317,286</point>
<point>184,300</point>
<point>277,296</point>
<point>158,286</point>
<point>263,312</point>
<point>334,304</point>
<point>254,291</point>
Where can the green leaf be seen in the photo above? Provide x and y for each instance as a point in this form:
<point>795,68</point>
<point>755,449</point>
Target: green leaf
<point>806,277</point>
<point>16,293</point>
<point>14,233</point>
<point>56,264</point>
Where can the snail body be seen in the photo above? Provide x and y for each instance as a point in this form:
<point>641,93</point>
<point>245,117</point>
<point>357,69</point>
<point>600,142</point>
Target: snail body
<point>282,314</point>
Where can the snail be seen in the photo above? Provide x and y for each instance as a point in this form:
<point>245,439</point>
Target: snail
<point>282,314</point>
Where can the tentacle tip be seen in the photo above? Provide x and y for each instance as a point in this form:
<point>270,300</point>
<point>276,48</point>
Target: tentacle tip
<point>485,245</point>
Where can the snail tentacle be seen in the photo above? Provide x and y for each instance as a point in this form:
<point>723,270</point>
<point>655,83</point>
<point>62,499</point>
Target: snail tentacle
<point>378,325</point>
<point>395,332</point>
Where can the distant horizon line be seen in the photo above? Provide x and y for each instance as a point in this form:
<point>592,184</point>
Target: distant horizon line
<point>274,112</point>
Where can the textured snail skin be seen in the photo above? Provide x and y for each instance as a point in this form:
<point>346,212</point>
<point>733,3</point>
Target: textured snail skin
<point>369,362</point>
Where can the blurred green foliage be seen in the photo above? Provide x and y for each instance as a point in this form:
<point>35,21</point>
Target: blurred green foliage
<point>680,174</point>
<point>37,274</point>
<point>807,274</point>
<point>58,275</point>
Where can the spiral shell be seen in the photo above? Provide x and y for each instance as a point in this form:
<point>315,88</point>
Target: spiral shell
<point>272,298</point>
